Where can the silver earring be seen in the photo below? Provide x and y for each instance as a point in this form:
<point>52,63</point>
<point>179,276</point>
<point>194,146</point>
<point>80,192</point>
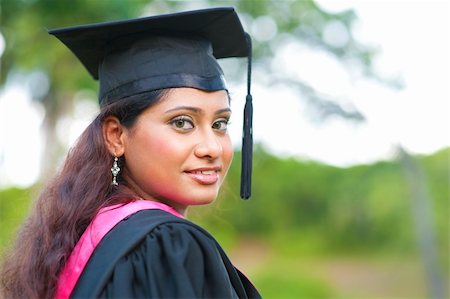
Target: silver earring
<point>115,169</point>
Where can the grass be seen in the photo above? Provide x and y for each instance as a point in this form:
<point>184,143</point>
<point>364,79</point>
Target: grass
<point>14,206</point>
<point>284,274</point>
<point>296,265</point>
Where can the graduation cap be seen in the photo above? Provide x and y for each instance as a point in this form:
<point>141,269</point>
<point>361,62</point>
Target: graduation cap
<point>135,56</point>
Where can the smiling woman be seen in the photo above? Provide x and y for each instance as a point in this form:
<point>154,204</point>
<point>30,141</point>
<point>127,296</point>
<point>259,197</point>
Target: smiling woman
<point>183,143</point>
<point>112,223</point>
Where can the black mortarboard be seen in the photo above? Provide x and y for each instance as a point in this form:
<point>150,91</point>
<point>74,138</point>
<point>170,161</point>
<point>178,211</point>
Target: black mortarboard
<point>134,56</point>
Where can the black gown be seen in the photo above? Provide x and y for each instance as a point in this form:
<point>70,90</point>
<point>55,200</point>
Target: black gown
<point>154,254</point>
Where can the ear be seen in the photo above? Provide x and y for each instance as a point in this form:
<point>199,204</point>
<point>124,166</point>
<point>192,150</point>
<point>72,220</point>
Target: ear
<point>113,134</point>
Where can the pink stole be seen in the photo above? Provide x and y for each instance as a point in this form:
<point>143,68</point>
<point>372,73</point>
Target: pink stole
<point>103,222</point>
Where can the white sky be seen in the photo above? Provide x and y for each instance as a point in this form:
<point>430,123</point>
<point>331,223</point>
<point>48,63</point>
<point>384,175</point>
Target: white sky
<point>413,38</point>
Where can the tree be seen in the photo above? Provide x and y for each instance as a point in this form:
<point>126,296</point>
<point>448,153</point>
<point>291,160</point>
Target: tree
<point>46,63</point>
<point>55,75</point>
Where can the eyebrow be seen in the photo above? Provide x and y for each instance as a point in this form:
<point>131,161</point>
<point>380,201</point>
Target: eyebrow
<point>197,110</point>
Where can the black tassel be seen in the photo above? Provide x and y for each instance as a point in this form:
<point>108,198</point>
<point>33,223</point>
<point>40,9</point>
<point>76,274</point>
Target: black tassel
<point>247,134</point>
<point>247,150</point>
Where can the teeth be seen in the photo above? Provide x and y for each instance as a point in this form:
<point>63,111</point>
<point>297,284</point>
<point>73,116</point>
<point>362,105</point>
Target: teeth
<point>208,171</point>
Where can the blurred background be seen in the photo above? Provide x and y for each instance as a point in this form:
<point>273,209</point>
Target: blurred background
<point>351,127</point>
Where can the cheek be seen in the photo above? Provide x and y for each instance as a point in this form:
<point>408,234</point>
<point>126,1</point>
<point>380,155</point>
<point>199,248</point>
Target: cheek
<point>227,152</point>
<point>162,145</point>
<point>154,159</point>
<point>148,149</point>
<point>168,151</point>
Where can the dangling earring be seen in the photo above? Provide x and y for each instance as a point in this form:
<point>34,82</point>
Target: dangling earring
<point>115,169</point>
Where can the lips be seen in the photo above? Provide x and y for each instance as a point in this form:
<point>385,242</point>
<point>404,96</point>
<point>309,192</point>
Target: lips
<point>204,176</point>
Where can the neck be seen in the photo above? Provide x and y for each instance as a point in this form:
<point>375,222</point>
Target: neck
<point>181,209</point>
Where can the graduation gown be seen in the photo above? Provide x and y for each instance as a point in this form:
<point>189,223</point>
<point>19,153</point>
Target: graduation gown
<point>155,254</point>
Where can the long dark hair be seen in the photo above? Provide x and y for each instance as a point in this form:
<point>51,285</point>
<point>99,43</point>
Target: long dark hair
<point>68,204</point>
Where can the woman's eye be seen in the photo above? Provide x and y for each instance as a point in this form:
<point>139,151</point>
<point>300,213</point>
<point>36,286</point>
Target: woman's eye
<point>182,123</point>
<point>220,125</point>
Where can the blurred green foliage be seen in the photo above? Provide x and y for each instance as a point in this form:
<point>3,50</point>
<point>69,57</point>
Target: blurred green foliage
<point>299,211</point>
<point>285,281</point>
<point>53,75</point>
<point>305,210</point>
<point>357,208</point>
<point>14,206</point>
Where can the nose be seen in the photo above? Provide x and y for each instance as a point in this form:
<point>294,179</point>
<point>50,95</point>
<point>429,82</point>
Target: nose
<point>209,146</point>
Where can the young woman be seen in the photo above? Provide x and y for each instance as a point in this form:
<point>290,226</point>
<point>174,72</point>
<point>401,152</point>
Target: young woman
<point>112,223</point>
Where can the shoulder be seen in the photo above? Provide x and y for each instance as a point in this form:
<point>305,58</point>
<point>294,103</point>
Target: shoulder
<point>153,254</point>
<point>167,239</point>
<point>155,219</point>
<point>162,231</point>
<point>154,248</point>
<point>159,225</point>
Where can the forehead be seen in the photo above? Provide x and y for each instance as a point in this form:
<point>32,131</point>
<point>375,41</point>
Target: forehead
<point>191,97</point>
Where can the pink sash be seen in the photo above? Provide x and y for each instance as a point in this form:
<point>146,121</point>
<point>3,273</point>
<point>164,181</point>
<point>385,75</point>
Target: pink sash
<point>103,222</point>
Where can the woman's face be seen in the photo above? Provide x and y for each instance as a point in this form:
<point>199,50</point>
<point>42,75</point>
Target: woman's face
<point>179,151</point>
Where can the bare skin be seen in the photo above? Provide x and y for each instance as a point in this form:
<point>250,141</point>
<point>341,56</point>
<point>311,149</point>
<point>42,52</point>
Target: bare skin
<point>179,151</point>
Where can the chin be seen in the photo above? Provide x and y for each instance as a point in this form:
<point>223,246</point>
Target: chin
<point>202,198</point>
<point>202,201</point>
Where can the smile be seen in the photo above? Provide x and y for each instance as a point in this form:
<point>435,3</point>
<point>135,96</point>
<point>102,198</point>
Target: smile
<point>205,172</point>
<point>204,176</point>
